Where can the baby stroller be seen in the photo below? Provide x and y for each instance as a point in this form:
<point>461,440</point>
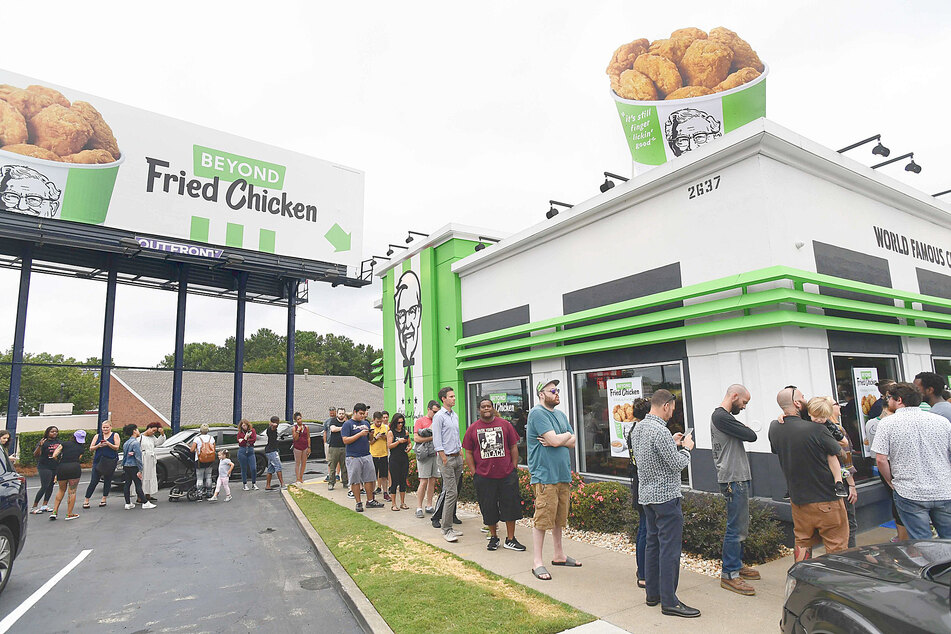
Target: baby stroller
<point>185,485</point>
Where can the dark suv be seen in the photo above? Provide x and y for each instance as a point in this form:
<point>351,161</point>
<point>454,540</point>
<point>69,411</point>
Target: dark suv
<point>13,514</point>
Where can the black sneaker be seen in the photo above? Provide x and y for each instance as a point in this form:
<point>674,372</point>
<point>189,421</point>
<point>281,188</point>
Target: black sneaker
<point>493,544</point>
<point>456,520</point>
<point>436,524</point>
<point>378,490</point>
<point>512,544</point>
<point>350,494</point>
<point>841,491</point>
<point>360,507</point>
<point>373,504</point>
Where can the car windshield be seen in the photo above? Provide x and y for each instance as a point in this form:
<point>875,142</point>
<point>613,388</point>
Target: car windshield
<point>182,436</point>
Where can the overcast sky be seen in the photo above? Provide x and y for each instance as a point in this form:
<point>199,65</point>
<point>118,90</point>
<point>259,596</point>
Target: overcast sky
<point>475,113</point>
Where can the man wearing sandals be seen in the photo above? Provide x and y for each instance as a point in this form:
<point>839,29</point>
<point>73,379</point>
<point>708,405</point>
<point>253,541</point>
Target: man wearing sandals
<point>549,439</point>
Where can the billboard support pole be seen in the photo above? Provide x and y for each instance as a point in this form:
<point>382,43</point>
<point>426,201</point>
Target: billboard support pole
<point>16,368</point>
<point>291,348</point>
<point>239,347</point>
<point>179,349</point>
<point>105,362</point>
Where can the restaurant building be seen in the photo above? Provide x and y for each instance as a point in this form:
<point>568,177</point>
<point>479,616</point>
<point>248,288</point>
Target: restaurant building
<point>762,258</point>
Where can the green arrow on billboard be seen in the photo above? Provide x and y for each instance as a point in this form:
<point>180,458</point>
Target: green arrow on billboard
<point>338,238</point>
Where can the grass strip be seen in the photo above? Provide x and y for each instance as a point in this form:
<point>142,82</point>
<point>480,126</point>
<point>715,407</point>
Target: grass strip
<point>417,587</point>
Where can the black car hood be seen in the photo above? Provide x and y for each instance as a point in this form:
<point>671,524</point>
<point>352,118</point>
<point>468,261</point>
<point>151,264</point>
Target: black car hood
<point>896,563</point>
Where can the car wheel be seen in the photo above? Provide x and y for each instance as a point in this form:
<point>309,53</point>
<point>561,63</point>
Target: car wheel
<point>261,462</point>
<point>7,548</point>
<point>161,474</point>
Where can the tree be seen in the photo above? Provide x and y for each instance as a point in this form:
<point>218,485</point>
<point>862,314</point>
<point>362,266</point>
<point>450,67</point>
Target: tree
<point>51,382</point>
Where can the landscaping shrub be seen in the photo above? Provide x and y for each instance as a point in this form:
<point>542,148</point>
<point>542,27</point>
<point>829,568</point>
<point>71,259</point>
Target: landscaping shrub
<point>600,506</point>
<point>705,525</point>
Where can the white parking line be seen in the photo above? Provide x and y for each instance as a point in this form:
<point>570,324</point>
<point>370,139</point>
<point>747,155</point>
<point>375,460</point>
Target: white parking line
<point>21,609</point>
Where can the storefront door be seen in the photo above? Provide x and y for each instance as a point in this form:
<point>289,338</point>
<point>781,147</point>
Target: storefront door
<point>510,397</point>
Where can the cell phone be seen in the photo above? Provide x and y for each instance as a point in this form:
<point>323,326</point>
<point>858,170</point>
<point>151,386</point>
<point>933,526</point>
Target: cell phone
<point>688,431</point>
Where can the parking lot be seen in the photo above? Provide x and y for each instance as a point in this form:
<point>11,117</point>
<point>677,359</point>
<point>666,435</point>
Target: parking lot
<point>239,566</point>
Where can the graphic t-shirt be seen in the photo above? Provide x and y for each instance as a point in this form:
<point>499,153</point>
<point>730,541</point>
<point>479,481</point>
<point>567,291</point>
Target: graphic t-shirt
<point>491,447</point>
<point>271,434</point>
<point>548,465</point>
<point>334,439</point>
<point>360,447</point>
<point>378,448</point>
<point>46,454</point>
<point>803,448</point>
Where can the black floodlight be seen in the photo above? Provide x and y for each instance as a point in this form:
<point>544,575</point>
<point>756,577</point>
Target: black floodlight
<point>410,234</point>
<point>482,242</point>
<point>911,167</point>
<point>608,183</point>
<point>552,212</point>
<point>395,246</point>
<point>878,150</point>
<point>881,150</point>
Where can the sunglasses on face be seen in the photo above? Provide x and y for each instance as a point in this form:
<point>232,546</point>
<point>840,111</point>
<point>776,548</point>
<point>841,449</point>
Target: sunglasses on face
<point>554,390</point>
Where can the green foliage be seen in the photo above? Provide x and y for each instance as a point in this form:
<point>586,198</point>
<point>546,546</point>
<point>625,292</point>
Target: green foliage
<point>265,351</point>
<point>51,383</point>
<point>705,525</point>
<point>604,507</point>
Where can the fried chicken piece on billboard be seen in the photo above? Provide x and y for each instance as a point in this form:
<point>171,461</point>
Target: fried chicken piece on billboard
<point>52,93</point>
<point>734,80</point>
<point>28,103</point>
<point>636,85</point>
<point>662,72</point>
<point>743,54</point>
<point>31,150</point>
<point>60,130</point>
<point>673,48</point>
<point>90,157</point>
<point>12,125</point>
<point>689,91</point>
<point>102,137</point>
<point>706,63</point>
<point>623,59</point>
<point>690,32</point>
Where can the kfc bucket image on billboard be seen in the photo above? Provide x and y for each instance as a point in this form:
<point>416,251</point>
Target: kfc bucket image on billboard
<point>676,94</point>
<point>58,159</point>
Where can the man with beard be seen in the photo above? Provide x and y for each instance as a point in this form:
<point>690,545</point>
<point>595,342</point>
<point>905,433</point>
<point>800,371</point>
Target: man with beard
<point>803,448</point>
<point>660,460</point>
<point>733,475</point>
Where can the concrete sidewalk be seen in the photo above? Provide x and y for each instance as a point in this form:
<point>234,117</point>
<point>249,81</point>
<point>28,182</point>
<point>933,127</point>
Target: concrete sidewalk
<point>605,585</point>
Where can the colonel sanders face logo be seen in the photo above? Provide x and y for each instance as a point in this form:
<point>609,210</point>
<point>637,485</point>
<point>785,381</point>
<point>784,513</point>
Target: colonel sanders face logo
<point>688,129</point>
<point>26,191</point>
<point>409,313</point>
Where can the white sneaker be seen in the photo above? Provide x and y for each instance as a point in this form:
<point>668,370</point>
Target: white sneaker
<point>254,487</point>
<point>148,505</point>
<point>246,488</point>
<point>213,498</point>
<point>228,498</point>
<point>450,536</point>
<point>129,507</point>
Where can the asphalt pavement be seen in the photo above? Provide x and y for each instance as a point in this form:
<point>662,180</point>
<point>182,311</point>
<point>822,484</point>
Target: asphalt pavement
<point>240,566</point>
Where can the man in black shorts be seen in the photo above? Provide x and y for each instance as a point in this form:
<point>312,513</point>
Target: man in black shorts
<point>491,445</point>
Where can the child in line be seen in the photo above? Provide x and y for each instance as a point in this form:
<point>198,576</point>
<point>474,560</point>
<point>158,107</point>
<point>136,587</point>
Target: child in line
<point>225,467</point>
<point>822,411</point>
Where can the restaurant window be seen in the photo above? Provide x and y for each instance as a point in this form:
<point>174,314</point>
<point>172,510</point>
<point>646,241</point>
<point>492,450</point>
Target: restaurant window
<point>603,417</point>
<point>510,397</point>
<point>943,368</point>
<point>855,379</point>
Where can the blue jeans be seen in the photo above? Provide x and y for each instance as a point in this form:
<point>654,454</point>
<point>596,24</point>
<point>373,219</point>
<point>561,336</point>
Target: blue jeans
<point>919,516</point>
<point>249,464</point>
<point>641,544</point>
<point>737,496</point>
<point>665,536</point>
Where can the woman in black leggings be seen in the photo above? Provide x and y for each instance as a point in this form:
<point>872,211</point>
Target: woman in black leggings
<point>397,439</point>
<point>132,467</point>
<point>46,466</point>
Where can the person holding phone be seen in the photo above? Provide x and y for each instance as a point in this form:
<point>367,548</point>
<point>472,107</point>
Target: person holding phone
<point>301,448</point>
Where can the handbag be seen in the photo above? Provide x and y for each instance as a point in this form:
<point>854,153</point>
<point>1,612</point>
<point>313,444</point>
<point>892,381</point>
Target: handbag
<point>425,449</point>
<point>106,467</point>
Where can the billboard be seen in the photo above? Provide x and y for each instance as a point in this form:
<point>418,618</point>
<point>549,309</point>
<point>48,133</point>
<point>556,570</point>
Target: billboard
<point>72,156</point>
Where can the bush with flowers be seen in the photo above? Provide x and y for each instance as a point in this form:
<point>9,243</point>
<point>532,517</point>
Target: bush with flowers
<point>604,507</point>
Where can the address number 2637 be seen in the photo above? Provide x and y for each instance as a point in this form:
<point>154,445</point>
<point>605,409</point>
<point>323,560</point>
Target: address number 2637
<point>703,187</point>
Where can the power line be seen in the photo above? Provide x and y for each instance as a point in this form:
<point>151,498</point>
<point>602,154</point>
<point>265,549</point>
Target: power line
<point>342,323</point>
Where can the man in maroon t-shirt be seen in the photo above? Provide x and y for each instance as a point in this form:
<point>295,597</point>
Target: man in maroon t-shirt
<point>491,445</point>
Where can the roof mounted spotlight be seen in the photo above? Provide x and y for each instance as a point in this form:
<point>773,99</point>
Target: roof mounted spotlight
<point>911,167</point>
<point>395,246</point>
<point>878,150</point>
<point>482,242</point>
<point>608,183</point>
<point>131,245</point>
<point>234,260</point>
<point>552,212</point>
<point>410,234</point>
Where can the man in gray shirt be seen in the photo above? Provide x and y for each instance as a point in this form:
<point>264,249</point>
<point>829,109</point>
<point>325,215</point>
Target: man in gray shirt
<point>931,386</point>
<point>448,447</point>
<point>733,475</point>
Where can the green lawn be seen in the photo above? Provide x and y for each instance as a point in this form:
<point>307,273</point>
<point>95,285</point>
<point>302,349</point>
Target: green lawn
<point>417,587</point>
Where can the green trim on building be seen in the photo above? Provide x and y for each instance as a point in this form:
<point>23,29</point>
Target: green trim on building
<point>427,276</point>
<point>390,349</point>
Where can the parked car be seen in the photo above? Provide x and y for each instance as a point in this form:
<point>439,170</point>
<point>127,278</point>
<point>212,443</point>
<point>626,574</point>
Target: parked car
<point>901,587</point>
<point>167,468</point>
<point>285,440</point>
<point>13,514</point>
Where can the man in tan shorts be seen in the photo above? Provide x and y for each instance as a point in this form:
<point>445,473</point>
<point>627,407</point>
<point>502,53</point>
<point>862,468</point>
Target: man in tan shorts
<point>803,447</point>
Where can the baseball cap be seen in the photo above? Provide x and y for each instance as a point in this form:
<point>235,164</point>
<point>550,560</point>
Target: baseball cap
<point>542,384</point>
<point>79,435</point>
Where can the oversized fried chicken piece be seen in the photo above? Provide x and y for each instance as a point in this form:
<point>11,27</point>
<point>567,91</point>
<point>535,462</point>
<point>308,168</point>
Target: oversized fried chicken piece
<point>689,91</point>
<point>12,125</point>
<point>690,32</point>
<point>743,54</point>
<point>636,85</point>
<point>60,130</point>
<point>673,48</point>
<point>662,72</point>
<point>102,137</point>
<point>706,63</point>
<point>31,150</point>
<point>28,103</point>
<point>52,93</point>
<point>623,59</point>
<point>736,79</point>
<point>91,157</point>
<point>6,89</point>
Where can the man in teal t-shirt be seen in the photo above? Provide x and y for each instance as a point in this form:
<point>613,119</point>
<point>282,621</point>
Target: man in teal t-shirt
<point>549,438</point>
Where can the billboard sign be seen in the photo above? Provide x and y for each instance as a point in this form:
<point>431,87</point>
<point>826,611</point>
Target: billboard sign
<point>72,156</point>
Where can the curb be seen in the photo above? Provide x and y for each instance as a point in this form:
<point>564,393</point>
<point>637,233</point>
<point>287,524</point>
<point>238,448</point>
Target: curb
<point>358,602</point>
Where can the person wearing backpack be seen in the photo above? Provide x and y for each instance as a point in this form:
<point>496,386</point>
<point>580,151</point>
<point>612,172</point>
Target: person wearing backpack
<point>426,467</point>
<point>204,448</point>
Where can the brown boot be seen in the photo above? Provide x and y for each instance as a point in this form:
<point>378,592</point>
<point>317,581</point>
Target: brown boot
<point>749,573</point>
<point>737,585</point>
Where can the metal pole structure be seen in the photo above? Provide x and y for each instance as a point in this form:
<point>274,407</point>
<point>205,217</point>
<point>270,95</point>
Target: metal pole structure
<point>291,347</point>
<point>16,368</point>
<point>179,349</point>
<point>239,347</point>
<point>105,365</point>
